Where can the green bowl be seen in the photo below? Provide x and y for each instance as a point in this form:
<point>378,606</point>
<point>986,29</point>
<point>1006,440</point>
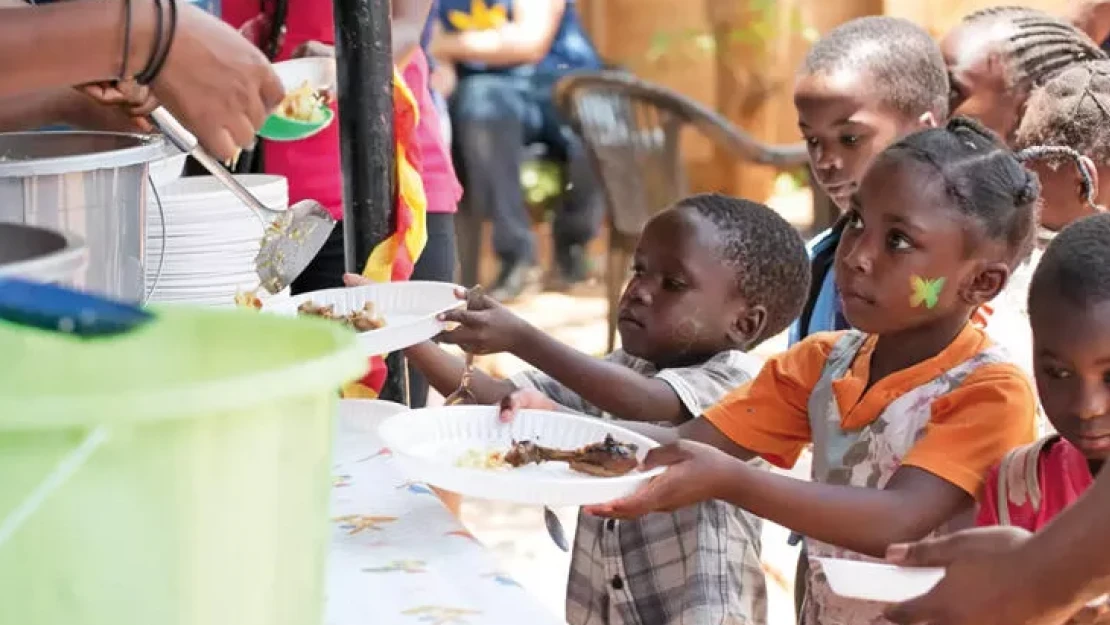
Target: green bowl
<point>278,128</point>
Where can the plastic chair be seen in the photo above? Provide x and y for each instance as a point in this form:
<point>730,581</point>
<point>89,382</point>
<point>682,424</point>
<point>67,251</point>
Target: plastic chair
<point>631,129</point>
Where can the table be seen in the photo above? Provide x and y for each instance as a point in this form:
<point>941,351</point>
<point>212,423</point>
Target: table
<point>398,557</point>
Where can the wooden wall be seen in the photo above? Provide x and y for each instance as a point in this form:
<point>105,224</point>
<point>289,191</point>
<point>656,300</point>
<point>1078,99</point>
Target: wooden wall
<point>624,31</point>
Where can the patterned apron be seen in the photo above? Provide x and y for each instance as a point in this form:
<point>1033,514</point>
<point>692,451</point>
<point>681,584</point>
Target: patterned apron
<point>866,458</point>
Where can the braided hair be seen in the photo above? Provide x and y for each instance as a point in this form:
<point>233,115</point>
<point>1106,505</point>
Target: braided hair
<point>982,178</point>
<point>1071,112</point>
<point>1040,45</point>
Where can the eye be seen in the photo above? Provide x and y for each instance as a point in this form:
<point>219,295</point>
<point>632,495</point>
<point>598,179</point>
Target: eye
<point>674,284</point>
<point>810,141</point>
<point>854,222</point>
<point>850,140</point>
<point>638,269</point>
<point>1056,373</point>
<point>898,241</point>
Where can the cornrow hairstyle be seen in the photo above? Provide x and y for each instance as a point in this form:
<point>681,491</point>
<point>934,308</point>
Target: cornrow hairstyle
<point>1076,265</point>
<point>767,253</point>
<point>904,62</point>
<point>982,178</point>
<point>1053,153</point>
<point>1071,110</point>
<point>1040,46</point>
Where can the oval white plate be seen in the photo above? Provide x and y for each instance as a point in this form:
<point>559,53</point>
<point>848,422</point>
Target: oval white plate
<point>409,309</point>
<point>428,444</point>
<point>877,581</point>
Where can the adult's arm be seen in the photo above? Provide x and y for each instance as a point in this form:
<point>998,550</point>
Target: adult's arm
<point>216,83</point>
<point>1042,580</point>
<point>409,19</point>
<point>523,40</point>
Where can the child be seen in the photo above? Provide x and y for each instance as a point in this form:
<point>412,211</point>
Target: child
<point>1069,305</point>
<point>907,414</point>
<point>998,55</point>
<point>1070,113</point>
<point>1070,316</point>
<point>712,276</point>
<point>862,86</point>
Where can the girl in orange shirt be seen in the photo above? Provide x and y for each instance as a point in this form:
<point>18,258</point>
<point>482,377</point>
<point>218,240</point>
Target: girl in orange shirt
<point>906,414</point>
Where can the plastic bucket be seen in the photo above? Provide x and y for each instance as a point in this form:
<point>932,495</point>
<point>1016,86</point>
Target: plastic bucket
<point>177,475</point>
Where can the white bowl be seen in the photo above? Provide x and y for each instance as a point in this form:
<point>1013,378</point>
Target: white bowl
<point>317,71</point>
<point>877,581</point>
<point>409,310</point>
<point>428,444</point>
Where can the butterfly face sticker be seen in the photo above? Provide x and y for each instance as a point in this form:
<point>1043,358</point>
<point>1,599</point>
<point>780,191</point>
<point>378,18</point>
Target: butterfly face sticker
<point>925,291</point>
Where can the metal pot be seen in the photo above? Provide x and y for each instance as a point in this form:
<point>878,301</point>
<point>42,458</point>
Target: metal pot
<point>91,184</point>
<point>39,254</point>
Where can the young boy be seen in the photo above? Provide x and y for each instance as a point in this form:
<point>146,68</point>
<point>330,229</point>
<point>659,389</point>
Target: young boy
<point>864,85</point>
<point>908,413</point>
<point>712,276</point>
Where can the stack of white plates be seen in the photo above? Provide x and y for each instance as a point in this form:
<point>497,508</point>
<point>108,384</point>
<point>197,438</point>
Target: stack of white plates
<point>211,239</point>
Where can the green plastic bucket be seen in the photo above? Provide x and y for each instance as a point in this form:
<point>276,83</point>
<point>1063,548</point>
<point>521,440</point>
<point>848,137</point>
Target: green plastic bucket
<point>177,475</point>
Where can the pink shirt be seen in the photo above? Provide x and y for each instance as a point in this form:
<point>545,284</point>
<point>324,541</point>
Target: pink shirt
<point>1063,476</point>
<point>313,165</point>
<point>441,185</point>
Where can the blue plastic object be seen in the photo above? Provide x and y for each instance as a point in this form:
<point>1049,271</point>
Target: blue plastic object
<point>58,309</point>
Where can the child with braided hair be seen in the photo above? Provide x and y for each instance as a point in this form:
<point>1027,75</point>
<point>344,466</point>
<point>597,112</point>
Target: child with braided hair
<point>997,56</point>
<point>1064,137</point>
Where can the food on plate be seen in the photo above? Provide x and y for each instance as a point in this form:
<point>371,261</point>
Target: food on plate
<point>360,320</point>
<point>482,459</point>
<point>609,458</point>
<point>303,104</point>
<point>248,299</point>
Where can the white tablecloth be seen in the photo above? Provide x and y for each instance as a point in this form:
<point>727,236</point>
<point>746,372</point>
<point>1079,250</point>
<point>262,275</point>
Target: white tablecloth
<point>398,557</point>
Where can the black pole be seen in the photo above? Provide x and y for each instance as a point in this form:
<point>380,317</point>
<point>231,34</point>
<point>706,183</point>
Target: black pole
<point>365,88</point>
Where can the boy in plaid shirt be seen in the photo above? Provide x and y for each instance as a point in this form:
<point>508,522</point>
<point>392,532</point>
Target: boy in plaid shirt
<point>712,276</point>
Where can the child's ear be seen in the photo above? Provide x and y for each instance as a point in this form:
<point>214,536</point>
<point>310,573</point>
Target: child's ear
<point>748,325</point>
<point>927,120</point>
<point>986,284</point>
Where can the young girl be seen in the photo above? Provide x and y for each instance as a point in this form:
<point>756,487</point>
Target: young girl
<point>998,55</point>
<point>907,414</point>
<point>1070,113</point>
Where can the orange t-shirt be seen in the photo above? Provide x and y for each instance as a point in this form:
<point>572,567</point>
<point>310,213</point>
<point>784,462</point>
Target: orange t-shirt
<point>970,429</point>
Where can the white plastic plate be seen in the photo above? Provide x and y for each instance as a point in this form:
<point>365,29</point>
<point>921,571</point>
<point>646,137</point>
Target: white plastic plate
<point>428,444</point>
<point>876,581</point>
<point>409,310</point>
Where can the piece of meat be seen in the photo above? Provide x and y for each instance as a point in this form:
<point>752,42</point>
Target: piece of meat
<point>609,458</point>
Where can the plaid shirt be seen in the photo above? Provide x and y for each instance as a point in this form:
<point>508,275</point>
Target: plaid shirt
<point>696,566</point>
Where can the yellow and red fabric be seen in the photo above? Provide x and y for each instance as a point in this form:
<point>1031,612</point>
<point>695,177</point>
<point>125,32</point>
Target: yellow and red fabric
<point>393,259</point>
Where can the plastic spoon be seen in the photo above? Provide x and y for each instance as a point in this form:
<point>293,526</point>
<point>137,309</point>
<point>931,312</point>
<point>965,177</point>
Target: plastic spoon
<point>289,242</point>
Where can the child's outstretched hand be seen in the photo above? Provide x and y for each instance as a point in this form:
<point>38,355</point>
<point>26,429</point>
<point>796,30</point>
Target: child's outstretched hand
<point>485,326</point>
<point>523,399</point>
<point>695,470</point>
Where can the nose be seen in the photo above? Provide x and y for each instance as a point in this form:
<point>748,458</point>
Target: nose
<point>855,253</point>
<point>638,291</point>
<point>827,161</point>
<point>1093,400</point>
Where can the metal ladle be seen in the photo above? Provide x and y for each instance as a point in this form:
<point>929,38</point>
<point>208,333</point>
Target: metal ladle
<point>289,242</point>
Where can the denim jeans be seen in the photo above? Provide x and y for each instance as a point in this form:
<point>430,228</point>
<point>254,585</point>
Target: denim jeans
<point>494,117</point>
